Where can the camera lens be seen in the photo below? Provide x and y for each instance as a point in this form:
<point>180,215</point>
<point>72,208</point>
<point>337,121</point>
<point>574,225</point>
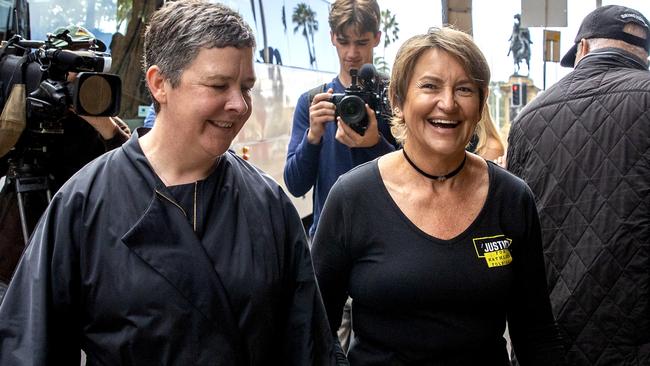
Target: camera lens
<point>352,109</point>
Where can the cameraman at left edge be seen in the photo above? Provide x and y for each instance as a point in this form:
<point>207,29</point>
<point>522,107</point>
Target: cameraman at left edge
<point>322,148</point>
<point>84,138</point>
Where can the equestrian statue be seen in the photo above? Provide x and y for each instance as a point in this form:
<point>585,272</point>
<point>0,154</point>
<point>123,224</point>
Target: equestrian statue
<point>520,44</point>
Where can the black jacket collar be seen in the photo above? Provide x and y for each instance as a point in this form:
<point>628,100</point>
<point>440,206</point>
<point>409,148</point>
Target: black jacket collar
<point>611,57</point>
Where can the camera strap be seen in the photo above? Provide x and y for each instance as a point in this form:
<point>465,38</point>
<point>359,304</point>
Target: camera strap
<point>316,90</point>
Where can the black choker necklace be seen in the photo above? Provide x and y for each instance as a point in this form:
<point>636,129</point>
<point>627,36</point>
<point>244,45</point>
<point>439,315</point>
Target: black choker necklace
<point>439,178</point>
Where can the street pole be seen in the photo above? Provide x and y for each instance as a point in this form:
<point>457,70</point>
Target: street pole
<point>544,86</point>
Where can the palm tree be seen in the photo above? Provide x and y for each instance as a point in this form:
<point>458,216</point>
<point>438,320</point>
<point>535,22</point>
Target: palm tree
<point>305,17</point>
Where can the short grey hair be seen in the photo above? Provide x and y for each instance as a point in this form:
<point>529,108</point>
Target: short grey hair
<point>180,29</point>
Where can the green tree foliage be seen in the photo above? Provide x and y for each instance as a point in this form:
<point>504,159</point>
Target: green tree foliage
<point>123,11</point>
<point>390,31</point>
<point>381,65</point>
<point>389,27</point>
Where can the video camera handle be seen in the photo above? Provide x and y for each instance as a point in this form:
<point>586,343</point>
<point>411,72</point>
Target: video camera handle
<point>17,40</point>
<point>30,43</point>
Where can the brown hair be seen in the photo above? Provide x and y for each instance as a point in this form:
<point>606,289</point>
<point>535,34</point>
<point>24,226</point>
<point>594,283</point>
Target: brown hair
<point>457,44</point>
<point>361,15</point>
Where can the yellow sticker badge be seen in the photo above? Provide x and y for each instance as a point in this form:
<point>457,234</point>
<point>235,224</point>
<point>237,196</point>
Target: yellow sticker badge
<point>495,250</point>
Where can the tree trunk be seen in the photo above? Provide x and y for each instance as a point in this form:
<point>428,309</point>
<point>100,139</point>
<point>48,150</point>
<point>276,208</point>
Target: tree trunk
<point>313,48</point>
<point>127,58</point>
<point>311,58</point>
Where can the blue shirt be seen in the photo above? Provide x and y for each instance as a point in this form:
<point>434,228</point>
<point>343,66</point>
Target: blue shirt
<point>319,166</point>
<point>150,118</point>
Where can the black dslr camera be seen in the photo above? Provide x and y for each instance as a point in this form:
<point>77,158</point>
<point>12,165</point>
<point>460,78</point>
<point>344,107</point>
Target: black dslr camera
<point>367,88</point>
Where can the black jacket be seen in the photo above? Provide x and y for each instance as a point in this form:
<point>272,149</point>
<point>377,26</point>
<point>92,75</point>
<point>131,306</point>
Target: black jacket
<point>63,156</point>
<point>115,268</point>
<point>583,146</point>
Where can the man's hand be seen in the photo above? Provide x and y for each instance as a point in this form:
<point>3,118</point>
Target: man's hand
<point>106,126</point>
<point>349,137</point>
<point>321,111</point>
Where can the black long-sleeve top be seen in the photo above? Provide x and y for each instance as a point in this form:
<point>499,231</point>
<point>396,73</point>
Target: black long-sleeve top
<point>419,300</point>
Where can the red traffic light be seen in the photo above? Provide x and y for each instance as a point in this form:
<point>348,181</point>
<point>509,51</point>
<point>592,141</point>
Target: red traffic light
<point>516,100</point>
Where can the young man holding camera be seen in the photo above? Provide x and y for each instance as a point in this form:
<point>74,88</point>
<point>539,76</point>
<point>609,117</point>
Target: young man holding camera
<point>322,146</point>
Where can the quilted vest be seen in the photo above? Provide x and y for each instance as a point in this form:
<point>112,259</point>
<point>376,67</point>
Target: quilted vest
<point>583,146</point>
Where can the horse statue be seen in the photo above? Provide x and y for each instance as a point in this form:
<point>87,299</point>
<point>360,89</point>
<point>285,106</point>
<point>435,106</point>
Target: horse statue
<point>520,45</point>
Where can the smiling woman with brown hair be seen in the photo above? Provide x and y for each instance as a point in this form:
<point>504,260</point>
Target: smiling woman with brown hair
<point>437,247</point>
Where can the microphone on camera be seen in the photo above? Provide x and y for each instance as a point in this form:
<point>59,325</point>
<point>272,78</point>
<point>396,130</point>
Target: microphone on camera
<point>65,57</point>
<point>367,74</point>
<point>80,60</point>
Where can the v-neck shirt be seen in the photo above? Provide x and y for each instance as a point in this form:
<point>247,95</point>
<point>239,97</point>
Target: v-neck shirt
<point>418,299</point>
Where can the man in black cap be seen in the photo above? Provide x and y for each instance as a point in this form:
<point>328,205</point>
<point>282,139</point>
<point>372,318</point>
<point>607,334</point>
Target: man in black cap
<point>583,146</point>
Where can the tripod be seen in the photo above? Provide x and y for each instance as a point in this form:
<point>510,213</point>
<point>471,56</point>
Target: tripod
<point>33,193</point>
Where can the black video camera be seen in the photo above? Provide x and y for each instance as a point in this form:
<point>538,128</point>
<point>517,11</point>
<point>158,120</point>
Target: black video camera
<point>44,69</point>
<point>367,88</point>
<point>42,87</point>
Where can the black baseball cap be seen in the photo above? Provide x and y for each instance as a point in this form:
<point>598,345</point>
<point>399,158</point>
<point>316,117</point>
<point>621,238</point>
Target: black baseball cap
<point>608,22</point>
